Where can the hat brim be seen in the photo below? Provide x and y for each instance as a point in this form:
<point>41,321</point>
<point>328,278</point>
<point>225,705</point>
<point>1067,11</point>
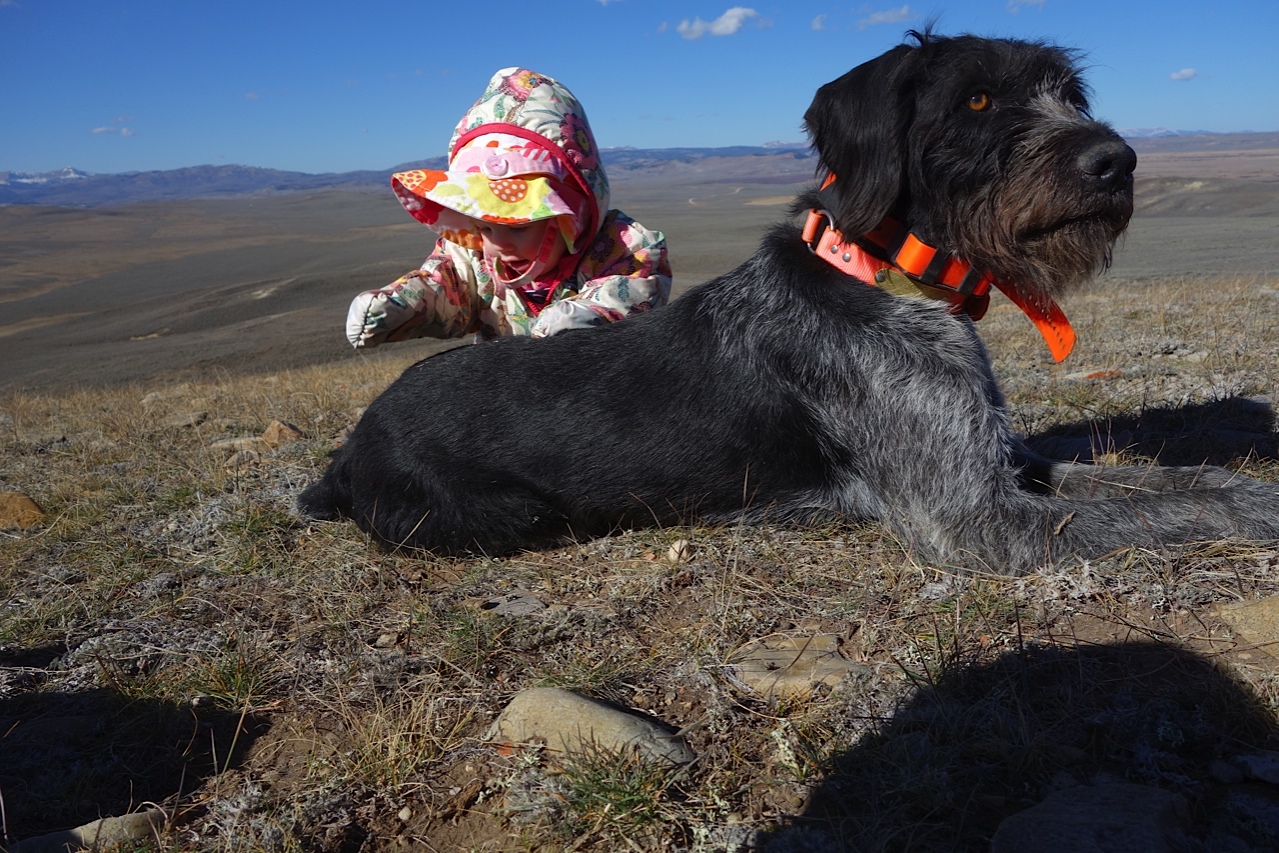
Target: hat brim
<point>449,202</point>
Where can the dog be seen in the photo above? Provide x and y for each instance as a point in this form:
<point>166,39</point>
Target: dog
<point>837,372</point>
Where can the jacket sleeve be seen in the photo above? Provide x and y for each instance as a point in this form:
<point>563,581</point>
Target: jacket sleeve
<point>438,300</point>
<point>624,271</point>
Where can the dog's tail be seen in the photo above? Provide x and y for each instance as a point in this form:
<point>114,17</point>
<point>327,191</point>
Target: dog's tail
<point>328,498</point>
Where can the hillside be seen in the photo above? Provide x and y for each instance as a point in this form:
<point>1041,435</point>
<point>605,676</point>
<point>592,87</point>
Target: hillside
<point>174,290</point>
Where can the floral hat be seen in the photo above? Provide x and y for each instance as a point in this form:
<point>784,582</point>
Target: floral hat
<point>524,152</point>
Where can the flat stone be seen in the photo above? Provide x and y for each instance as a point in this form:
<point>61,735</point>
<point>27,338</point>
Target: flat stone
<point>1262,766</point>
<point>242,458</point>
<point>515,604</point>
<point>19,510</point>
<point>186,419</point>
<point>567,723</point>
<point>279,432</point>
<point>107,832</point>
<point>790,665</point>
<point>1254,622</point>
<point>1111,818</point>
<point>235,445</point>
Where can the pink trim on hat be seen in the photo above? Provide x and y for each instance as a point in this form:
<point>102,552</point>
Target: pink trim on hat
<point>571,174</point>
<point>498,164</point>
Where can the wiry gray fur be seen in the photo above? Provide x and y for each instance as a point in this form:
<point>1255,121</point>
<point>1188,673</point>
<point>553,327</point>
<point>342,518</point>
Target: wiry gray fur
<point>788,391</point>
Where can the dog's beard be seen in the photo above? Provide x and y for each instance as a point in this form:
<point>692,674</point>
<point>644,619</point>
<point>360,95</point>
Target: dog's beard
<point>1023,242</point>
<point>1056,230</point>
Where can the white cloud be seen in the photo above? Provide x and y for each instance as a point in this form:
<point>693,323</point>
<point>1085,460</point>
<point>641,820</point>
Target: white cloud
<point>1015,6</point>
<point>250,96</point>
<point>725,25</point>
<point>819,23</point>
<point>1184,74</point>
<point>115,131</point>
<point>888,16</point>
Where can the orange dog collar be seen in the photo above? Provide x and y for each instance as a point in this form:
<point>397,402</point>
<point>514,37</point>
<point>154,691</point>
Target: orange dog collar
<point>937,275</point>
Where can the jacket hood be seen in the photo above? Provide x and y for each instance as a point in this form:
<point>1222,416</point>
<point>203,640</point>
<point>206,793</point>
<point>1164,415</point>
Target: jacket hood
<point>523,152</point>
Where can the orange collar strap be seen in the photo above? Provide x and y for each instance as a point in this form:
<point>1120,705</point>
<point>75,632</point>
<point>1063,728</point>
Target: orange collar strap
<point>892,246</point>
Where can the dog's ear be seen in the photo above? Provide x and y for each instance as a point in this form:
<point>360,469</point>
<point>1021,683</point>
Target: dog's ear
<point>858,124</point>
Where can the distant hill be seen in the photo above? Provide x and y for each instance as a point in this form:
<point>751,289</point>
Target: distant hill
<point>72,187</point>
<point>774,162</point>
<point>1181,142</point>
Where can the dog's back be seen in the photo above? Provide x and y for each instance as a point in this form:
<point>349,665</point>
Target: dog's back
<point>690,413</point>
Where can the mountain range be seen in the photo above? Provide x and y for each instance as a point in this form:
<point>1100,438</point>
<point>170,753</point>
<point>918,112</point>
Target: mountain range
<point>71,187</point>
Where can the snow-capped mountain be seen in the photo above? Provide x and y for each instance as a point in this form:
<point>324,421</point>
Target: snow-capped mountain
<point>43,178</point>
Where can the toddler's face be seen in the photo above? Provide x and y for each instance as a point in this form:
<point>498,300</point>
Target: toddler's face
<point>516,246</point>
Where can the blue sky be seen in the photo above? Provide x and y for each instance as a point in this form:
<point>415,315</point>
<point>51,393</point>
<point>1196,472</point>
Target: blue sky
<point>132,85</point>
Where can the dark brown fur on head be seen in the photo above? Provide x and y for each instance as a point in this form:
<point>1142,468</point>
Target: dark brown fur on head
<point>986,149</point>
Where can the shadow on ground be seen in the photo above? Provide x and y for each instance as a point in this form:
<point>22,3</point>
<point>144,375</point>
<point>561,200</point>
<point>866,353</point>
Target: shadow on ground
<point>978,743</point>
<point>1214,433</point>
<point>70,758</point>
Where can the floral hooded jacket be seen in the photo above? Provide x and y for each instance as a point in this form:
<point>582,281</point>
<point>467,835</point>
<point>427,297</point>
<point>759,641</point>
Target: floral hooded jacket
<point>613,267</point>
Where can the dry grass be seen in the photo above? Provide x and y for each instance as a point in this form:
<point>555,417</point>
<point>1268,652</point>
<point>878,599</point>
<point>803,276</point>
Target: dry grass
<point>174,633</point>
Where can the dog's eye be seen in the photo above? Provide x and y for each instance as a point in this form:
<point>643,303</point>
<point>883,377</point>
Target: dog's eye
<point>979,102</point>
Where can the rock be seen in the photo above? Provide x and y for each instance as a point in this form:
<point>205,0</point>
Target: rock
<point>107,832</point>
<point>515,604</point>
<point>1225,772</point>
<point>568,723</point>
<point>1094,374</point>
<point>279,432</point>
<point>1262,766</point>
<point>1254,622</point>
<point>791,666</point>
<point>186,419</point>
<point>680,552</point>
<point>1111,818</point>
<point>18,510</point>
<point>249,450</point>
<point>236,445</point>
<point>242,458</point>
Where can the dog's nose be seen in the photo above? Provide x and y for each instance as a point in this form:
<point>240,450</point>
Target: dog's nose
<point>1108,163</point>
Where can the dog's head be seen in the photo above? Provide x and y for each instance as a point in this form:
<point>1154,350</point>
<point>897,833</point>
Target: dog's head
<point>986,149</point>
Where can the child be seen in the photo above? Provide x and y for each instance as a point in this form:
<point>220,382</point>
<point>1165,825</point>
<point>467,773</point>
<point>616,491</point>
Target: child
<point>527,244</point>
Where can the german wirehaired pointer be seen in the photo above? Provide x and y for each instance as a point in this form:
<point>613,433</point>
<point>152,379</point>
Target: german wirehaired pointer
<point>836,372</point>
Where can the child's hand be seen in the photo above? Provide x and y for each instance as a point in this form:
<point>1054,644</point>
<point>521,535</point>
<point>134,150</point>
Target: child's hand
<point>375,315</point>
